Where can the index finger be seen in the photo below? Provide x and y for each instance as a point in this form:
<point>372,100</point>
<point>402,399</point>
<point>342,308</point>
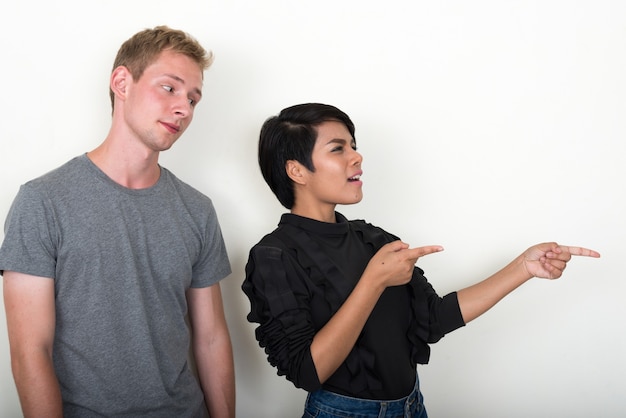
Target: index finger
<point>418,252</point>
<point>585,252</point>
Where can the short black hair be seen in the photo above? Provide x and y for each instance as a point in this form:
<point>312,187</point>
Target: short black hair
<point>291,135</point>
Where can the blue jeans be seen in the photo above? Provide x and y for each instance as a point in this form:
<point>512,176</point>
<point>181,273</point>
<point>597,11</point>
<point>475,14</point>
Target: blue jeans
<point>325,404</point>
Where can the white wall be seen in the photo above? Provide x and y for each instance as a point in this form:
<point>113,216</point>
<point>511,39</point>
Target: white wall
<point>486,126</point>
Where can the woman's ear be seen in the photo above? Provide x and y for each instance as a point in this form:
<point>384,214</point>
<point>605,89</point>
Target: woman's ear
<point>295,171</point>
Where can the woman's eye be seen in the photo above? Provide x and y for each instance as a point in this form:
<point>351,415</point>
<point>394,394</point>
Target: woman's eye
<point>192,102</point>
<point>168,88</point>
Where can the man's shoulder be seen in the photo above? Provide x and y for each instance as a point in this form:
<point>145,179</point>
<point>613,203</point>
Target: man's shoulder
<point>184,189</point>
<point>61,175</point>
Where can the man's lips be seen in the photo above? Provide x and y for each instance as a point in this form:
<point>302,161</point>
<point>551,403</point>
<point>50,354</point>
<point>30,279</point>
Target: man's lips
<point>172,127</point>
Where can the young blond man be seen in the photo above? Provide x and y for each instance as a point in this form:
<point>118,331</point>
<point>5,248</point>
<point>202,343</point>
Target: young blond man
<point>105,257</point>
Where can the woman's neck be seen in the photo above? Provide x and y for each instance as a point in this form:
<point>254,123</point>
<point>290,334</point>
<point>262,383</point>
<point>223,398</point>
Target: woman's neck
<point>326,214</point>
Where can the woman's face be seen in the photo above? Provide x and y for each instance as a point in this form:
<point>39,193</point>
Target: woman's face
<point>337,176</point>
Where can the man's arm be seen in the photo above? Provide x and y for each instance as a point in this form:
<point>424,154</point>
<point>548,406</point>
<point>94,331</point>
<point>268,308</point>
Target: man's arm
<point>212,350</point>
<point>30,313</point>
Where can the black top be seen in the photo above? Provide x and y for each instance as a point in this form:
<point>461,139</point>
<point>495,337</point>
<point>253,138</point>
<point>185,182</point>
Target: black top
<point>298,276</point>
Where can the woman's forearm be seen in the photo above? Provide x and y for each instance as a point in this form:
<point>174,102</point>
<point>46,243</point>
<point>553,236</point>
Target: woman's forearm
<point>332,344</point>
<point>477,299</point>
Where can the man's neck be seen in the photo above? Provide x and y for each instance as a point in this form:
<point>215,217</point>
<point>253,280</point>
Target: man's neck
<point>128,167</point>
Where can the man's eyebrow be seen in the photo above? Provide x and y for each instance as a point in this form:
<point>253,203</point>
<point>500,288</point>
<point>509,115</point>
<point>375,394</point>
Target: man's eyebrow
<point>180,80</point>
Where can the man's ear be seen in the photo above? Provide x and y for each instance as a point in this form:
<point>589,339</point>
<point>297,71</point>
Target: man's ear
<point>120,80</point>
<point>296,171</point>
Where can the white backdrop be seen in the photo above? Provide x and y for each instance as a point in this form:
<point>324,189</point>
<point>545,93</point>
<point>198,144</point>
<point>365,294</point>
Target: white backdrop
<point>486,126</point>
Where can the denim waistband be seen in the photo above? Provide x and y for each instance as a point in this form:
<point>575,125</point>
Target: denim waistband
<point>333,403</point>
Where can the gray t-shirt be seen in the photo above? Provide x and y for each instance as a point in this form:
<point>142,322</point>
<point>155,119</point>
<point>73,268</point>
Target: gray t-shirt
<point>121,261</point>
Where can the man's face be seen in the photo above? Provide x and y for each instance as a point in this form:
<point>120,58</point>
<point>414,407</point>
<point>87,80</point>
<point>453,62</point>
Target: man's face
<point>159,106</point>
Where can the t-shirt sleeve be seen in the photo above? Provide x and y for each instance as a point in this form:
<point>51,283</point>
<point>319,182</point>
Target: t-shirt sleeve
<point>30,242</point>
<point>213,263</point>
<point>279,304</point>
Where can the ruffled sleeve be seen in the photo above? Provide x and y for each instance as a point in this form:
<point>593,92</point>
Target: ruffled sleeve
<point>276,288</point>
<point>432,316</point>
